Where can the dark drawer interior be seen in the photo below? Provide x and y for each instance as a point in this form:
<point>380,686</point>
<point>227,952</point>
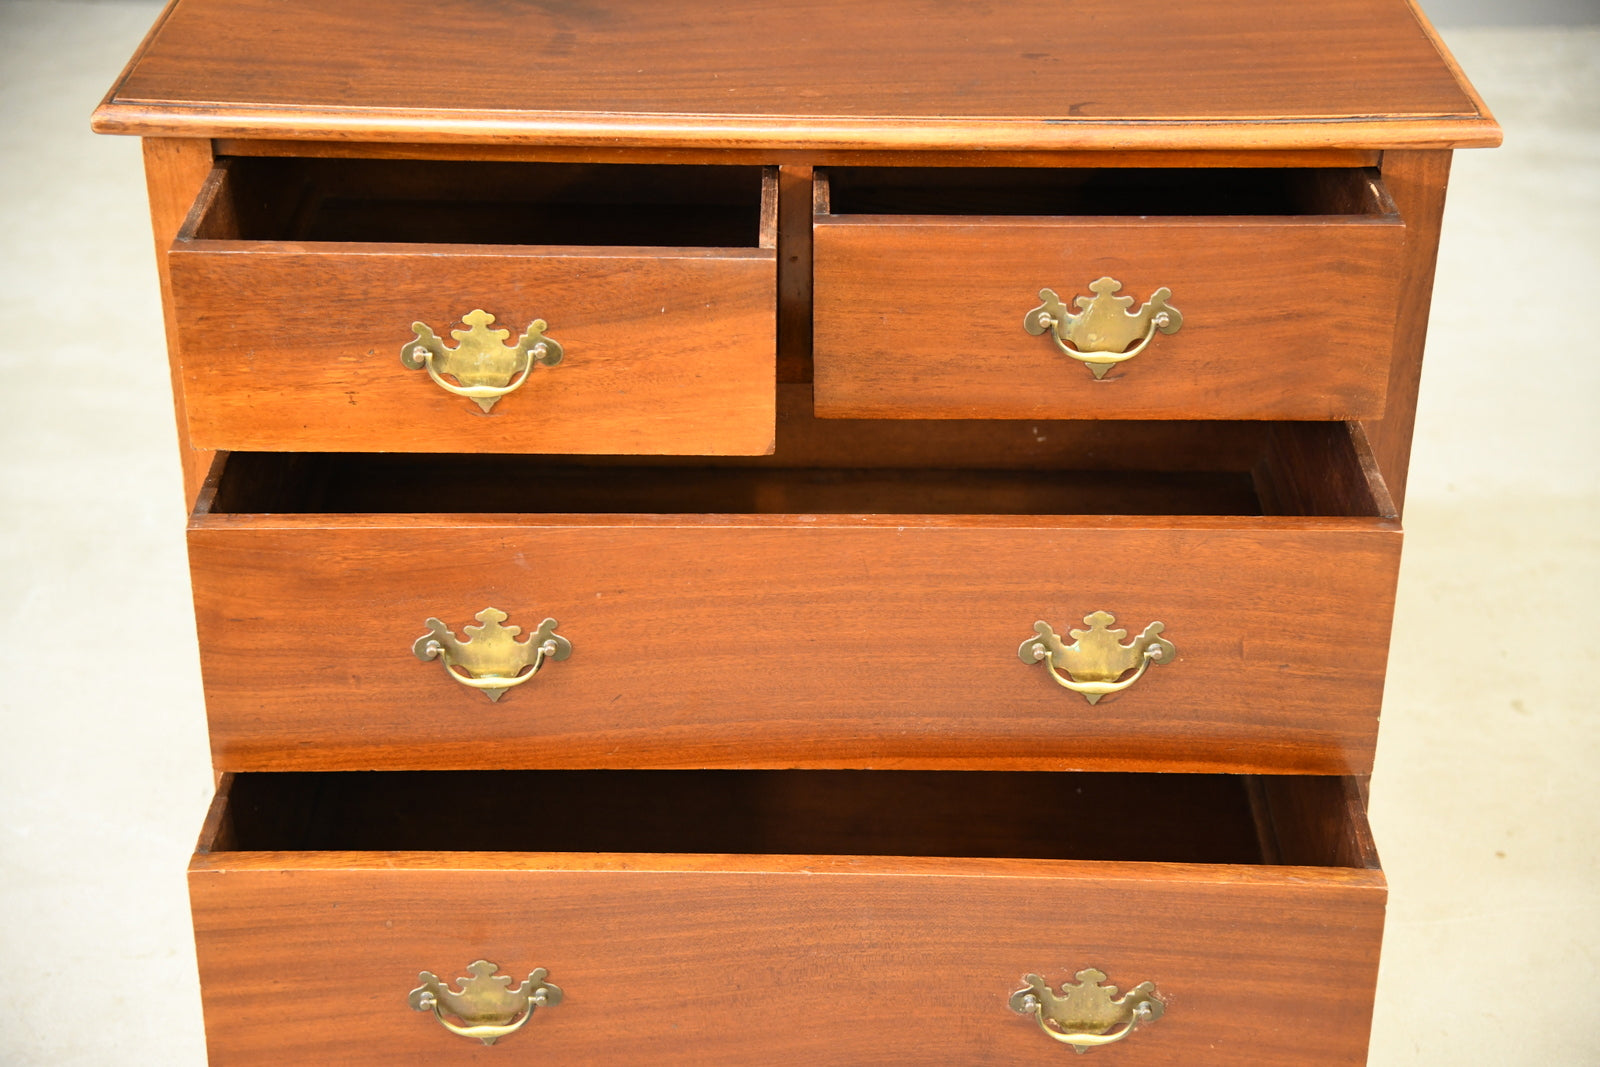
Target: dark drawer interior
<point>389,484</point>
<point>1196,469</point>
<point>1176,191</point>
<point>1191,818</point>
<point>444,202</point>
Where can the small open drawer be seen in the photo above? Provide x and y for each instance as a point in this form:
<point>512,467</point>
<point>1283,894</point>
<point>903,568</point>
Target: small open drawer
<point>804,609</point>
<point>315,302</point>
<point>1104,294</point>
<point>739,917</point>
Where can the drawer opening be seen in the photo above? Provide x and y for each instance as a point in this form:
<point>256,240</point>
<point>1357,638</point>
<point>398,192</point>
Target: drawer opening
<point>447,202</point>
<point>1301,469</point>
<point>1189,818</point>
<point>976,191</point>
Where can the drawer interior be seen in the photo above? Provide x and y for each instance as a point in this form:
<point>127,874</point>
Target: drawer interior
<point>1191,818</point>
<point>1173,191</point>
<point>1303,469</point>
<point>448,202</point>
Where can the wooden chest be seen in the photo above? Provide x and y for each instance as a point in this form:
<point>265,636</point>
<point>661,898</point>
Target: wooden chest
<point>760,533</point>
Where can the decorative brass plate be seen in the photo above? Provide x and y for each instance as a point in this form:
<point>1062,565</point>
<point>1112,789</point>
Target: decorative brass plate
<point>490,659</point>
<point>1097,659</point>
<point>481,362</point>
<point>487,1006</point>
<point>1099,337</point>
<point>1085,1014</point>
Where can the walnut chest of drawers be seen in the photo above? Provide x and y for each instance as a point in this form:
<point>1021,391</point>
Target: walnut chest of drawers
<point>743,534</point>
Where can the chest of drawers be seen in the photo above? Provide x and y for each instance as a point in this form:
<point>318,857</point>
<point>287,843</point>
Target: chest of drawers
<point>733,534</point>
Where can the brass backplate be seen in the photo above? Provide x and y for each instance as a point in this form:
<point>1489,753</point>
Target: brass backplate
<point>1094,664</point>
<point>490,659</point>
<point>487,1006</point>
<point>1098,336</point>
<point>485,367</point>
<point>1087,1013</point>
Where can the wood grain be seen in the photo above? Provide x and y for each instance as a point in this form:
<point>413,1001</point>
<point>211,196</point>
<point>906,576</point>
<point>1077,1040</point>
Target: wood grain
<point>779,639</point>
<point>1417,182</point>
<point>668,350</point>
<point>308,954</point>
<point>1046,444</point>
<point>975,444</point>
<point>1296,478</point>
<point>1346,73</point>
<point>794,274</point>
<point>175,170</point>
<point>601,153</point>
<point>1319,820</point>
<point>855,598</point>
<point>921,316</point>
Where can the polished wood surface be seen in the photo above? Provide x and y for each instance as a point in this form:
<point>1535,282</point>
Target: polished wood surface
<point>794,273</point>
<point>1417,182</point>
<point>1171,446</point>
<point>1343,73</point>
<point>920,315</point>
<point>175,171</point>
<point>763,617</point>
<point>1298,480</point>
<point>1317,820</point>
<point>782,957</point>
<point>814,616</point>
<point>1044,444</point>
<point>667,349</point>
<point>931,157</point>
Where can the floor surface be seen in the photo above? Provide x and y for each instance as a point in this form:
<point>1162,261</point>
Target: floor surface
<point>1485,800</point>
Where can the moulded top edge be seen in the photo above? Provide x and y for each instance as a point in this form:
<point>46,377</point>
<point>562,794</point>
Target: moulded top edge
<point>798,133</point>
<point>900,74</point>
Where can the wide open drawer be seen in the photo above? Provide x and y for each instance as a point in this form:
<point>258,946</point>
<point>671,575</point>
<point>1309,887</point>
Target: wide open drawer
<point>798,611</point>
<point>296,284</point>
<point>725,917</point>
<point>1279,290</point>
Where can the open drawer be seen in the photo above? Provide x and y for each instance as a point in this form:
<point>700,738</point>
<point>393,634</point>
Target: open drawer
<point>315,302</point>
<point>1169,293</point>
<point>736,917</point>
<point>803,610</point>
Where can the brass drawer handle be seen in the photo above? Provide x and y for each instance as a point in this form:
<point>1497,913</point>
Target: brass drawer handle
<point>487,1006</point>
<point>1086,1015</point>
<point>1101,334</point>
<point>490,658</point>
<point>1097,658</point>
<point>482,362</point>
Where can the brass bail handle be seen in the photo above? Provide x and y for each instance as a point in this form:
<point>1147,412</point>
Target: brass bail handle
<point>1095,663</point>
<point>490,659</point>
<point>1099,335</point>
<point>487,1006</point>
<point>484,365</point>
<point>1087,1013</point>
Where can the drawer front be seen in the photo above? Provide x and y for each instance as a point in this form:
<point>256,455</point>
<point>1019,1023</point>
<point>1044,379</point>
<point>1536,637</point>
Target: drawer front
<point>793,640</point>
<point>922,317</point>
<point>300,350</point>
<point>372,305</point>
<point>742,959</point>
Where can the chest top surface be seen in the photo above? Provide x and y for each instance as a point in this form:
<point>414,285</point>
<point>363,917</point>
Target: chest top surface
<point>1029,74</point>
